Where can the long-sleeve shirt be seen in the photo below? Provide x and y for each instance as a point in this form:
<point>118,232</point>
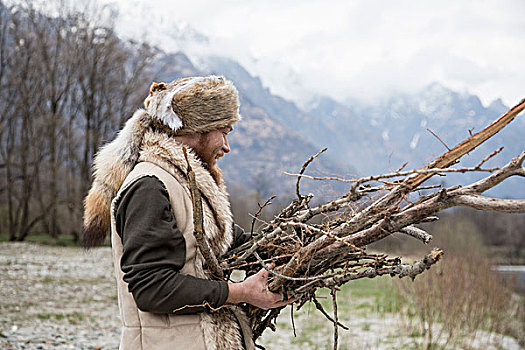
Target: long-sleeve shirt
<point>154,251</point>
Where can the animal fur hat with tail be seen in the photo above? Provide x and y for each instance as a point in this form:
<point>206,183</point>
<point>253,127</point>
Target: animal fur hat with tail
<point>184,106</point>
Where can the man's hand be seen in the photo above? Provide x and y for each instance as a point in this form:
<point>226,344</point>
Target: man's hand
<point>254,291</point>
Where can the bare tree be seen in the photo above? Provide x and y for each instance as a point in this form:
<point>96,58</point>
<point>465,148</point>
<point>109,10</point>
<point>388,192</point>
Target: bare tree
<point>67,83</point>
<point>23,88</point>
<point>52,47</point>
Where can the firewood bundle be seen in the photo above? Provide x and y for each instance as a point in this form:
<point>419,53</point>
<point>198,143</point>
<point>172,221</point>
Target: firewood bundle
<point>307,247</point>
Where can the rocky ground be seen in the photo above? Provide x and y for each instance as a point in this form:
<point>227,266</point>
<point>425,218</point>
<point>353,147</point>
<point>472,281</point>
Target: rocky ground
<point>65,298</point>
<point>57,298</point>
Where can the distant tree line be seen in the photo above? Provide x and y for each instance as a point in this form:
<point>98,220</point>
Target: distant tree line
<point>67,84</point>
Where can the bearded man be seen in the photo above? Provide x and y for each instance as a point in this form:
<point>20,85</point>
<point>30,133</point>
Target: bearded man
<point>166,296</point>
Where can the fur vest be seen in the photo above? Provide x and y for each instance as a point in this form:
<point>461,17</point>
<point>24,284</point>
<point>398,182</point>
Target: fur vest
<point>161,156</point>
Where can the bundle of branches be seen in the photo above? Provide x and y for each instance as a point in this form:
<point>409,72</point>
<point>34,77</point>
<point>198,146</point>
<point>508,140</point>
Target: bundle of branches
<point>324,246</point>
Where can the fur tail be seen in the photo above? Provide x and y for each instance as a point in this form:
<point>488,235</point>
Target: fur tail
<point>112,164</point>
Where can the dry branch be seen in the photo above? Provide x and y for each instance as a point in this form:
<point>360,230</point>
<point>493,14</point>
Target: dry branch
<point>309,255</point>
<point>417,233</point>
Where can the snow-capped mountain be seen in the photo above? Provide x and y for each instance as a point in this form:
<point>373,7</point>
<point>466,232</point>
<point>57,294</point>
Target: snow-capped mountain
<point>411,128</point>
<point>414,127</point>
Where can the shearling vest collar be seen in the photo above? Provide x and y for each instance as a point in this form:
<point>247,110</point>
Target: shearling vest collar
<point>166,152</point>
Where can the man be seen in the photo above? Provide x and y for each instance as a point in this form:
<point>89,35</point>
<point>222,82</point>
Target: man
<point>166,297</point>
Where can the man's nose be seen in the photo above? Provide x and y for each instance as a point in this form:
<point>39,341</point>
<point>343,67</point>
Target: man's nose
<point>226,145</point>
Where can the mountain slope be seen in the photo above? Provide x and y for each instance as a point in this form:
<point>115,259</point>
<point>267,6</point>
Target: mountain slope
<point>262,146</point>
<point>406,124</point>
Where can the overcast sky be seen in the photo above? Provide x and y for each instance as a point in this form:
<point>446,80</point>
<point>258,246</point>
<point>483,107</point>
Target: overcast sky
<point>358,49</point>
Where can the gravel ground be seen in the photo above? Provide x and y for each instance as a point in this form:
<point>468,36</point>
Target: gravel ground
<point>57,298</point>
<point>65,298</point>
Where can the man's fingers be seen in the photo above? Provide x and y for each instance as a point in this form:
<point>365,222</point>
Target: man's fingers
<point>278,299</point>
<point>264,273</point>
<point>283,303</point>
<point>275,300</point>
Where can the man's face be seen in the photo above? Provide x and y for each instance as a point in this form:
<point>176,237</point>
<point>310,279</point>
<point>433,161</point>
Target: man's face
<point>213,145</point>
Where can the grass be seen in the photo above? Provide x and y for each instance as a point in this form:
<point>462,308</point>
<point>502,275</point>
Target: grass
<point>376,295</point>
<point>70,280</point>
<point>72,318</point>
<point>357,299</point>
<point>48,279</point>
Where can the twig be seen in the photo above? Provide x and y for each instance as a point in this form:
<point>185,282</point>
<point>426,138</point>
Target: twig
<point>261,207</point>
<point>398,270</point>
<point>471,143</point>
<point>205,304</point>
<point>298,192</point>
<point>198,226</point>
<point>336,329</point>
<point>430,187</point>
<point>236,267</point>
<point>293,322</point>
<point>488,157</point>
<point>323,232</point>
<point>319,307</point>
<point>479,202</point>
<point>401,167</point>
<point>429,219</point>
<point>437,137</point>
<point>277,274</point>
<point>391,175</point>
<point>265,323</point>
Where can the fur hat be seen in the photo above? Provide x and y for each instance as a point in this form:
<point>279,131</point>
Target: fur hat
<point>184,106</point>
<point>194,105</point>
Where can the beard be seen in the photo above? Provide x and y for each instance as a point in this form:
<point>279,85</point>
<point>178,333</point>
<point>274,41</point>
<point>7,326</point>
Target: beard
<point>216,174</point>
<point>214,169</point>
<point>210,157</point>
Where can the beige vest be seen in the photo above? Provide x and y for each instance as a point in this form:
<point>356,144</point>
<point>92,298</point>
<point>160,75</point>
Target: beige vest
<point>143,330</point>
